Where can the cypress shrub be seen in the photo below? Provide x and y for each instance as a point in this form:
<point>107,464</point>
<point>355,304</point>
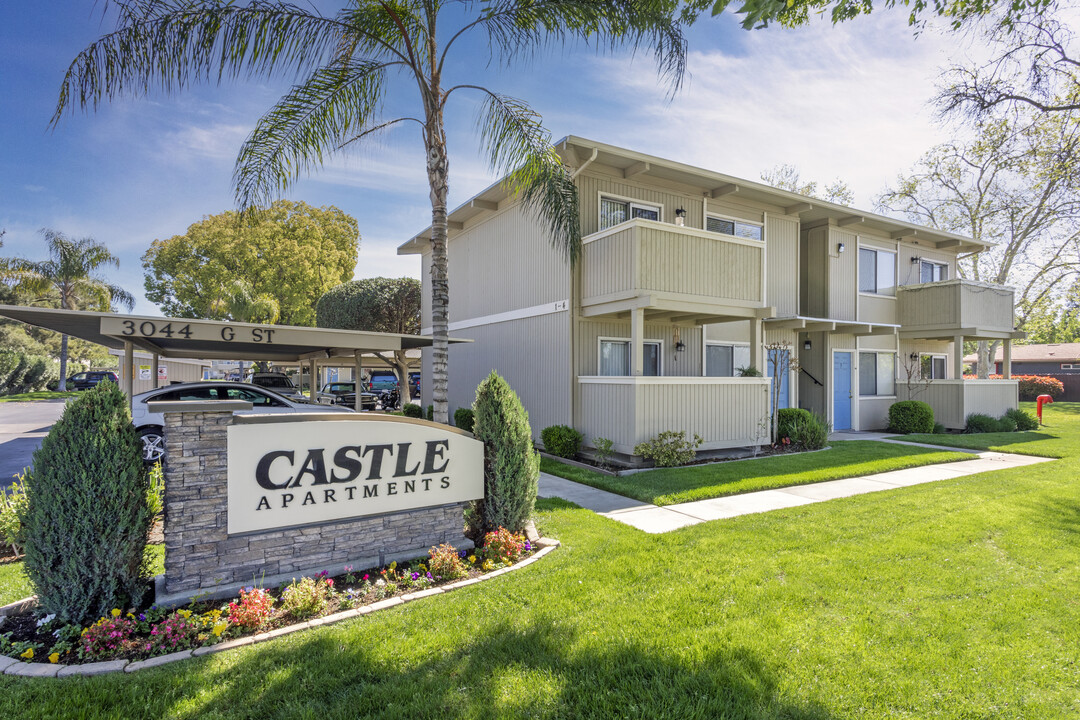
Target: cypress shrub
<point>911,416</point>
<point>561,440</point>
<point>511,465</point>
<point>86,517</point>
<point>464,419</point>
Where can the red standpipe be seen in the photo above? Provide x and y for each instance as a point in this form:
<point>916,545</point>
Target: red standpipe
<point>1039,402</point>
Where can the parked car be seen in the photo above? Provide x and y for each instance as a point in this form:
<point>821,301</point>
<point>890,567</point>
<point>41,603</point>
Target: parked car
<point>280,383</point>
<point>382,380</point>
<point>344,393</point>
<point>150,425</point>
<point>86,380</point>
<point>414,385</point>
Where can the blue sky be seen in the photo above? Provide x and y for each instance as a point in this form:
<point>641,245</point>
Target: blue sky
<point>846,102</point>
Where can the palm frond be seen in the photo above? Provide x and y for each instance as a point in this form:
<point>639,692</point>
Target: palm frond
<point>316,117</point>
<point>517,144</point>
<point>171,44</point>
<point>515,28</point>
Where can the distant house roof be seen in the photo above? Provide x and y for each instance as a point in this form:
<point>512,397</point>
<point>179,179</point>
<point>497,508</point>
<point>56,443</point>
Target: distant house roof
<point>1051,352</point>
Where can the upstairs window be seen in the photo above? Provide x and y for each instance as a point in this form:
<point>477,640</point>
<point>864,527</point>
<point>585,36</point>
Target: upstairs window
<point>728,226</point>
<point>877,271</point>
<point>614,211</point>
<point>933,272</point>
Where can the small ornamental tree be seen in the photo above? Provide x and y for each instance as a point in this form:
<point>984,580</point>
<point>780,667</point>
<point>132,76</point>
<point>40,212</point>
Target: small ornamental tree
<point>511,465</point>
<point>86,518</point>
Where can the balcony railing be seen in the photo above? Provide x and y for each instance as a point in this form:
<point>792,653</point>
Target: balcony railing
<point>642,257</point>
<point>955,307</point>
<point>725,412</point>
<point>954,400</point>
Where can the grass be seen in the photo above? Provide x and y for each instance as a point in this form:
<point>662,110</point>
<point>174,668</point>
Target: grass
<point>949,600</point>
<point>845,459</point>
<point>39,395</point>
<point>14,585</point>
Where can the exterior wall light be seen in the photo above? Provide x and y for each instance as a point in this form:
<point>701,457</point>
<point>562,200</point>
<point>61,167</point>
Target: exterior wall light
<point>806,344</point>
<point>913,356</point>
<point>839,247</point>
<point>680,217</point>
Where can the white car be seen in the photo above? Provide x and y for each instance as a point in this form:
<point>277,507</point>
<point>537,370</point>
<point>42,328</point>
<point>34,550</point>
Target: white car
<point>151,424</point>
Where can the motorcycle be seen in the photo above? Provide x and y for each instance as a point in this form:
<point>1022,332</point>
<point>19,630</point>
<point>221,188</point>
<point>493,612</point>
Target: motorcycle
<point>389,399</point>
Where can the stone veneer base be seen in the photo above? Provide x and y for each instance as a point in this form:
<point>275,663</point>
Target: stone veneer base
<point>12,666</point>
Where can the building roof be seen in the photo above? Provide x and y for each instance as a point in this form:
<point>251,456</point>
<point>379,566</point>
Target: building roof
<point>1051,352</point>
<point>578,152</point>
<point>212,339</point>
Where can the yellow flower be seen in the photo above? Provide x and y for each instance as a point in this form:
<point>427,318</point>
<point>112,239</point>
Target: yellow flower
<point>28,654</point>
<point>219,628</point>
<point>472,559</point>
<point>116,612</point>
<point>54,658</point>
<point>186,614</point>
<point>393,566</point>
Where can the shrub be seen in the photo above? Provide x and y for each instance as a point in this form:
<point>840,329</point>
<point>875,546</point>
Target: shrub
<point>12,510</point>
<point>1006,424</point>
<point>748,371</point>
<point>811,432</point>
<point>561,440</point>
<point>86,517</point>
<point>464,419</point>
<point>254,609</point>
<point>430,412</point>
<point>1024,420</point>
<point>603,449</point>
<point>309,596</point>
<point>911,416</point>
<point>155,490</point>
<point>412,410</point>
<point>669,448</point>
<point>20,372</point>
<point>503,546</point>
<point>939,429</point>
<point>980,423</point>
<point>445,563</point>
<point>786,419</point>
<point>107,635</point>
<point>511,465</point>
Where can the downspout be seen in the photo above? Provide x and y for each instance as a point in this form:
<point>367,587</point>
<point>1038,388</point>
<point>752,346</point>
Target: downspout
<point>595,152</point>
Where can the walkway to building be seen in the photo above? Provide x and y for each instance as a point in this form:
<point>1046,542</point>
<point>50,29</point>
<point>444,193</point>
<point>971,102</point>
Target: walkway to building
<point>657,519</point>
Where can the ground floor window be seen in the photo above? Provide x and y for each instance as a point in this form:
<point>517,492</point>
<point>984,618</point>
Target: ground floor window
<point>933,367</point>
<point>725,360</point>
<point>877,373</point>
<point>615,358</point>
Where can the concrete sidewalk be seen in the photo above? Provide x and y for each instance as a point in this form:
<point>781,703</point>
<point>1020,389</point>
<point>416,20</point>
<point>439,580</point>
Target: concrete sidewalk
<point>656,519</point>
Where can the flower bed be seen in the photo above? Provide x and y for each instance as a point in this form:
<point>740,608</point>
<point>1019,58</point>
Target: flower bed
<point>142,633</point>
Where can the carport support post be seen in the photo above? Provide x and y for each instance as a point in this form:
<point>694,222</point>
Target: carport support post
<point>311,375</point>
<point>157,362</point>
<point>358,406</point>
<point>129,370</point>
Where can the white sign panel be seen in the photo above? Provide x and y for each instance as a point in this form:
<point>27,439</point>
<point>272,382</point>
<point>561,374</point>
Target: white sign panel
<point>300,472</point>
<point>144,372</point>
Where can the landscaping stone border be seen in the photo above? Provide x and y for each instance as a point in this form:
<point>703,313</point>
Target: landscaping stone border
<point>14,666</point>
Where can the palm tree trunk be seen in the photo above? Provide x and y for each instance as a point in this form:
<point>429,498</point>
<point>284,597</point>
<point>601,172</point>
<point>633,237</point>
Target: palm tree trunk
<point>438,169</point>
<point>63,363</point>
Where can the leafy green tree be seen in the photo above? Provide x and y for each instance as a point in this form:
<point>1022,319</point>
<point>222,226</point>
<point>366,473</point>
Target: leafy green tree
<point>1055,320</point>
<point>67,280</point>
<point>787,177</point>
<point>349,63</point>
<point>290,253</point>
<point>1016,184</point>
<point>390,305</point>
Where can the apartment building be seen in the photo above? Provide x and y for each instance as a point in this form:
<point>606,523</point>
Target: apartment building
<point>688,276</point>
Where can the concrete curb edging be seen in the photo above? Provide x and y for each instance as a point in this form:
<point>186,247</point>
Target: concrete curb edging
<point>13,666</point>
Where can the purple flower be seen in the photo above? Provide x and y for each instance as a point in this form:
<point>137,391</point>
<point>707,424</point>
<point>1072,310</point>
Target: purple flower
<point>429,576</point>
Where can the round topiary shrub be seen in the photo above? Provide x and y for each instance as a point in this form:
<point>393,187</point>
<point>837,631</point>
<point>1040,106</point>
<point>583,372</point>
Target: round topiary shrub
<point>911,416</point>
<point>511,465</point>
<point>561,440</point>
<point>464,419</point>
<point>86,516</point>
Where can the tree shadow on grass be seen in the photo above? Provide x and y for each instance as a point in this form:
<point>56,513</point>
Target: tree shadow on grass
<point>535,670</point>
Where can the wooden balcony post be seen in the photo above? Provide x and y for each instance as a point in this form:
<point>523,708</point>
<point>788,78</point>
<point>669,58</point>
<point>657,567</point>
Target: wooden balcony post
<point>958,357</point>
<point>1006,359</point>
<point>637,344</point>
<point>757,359</point>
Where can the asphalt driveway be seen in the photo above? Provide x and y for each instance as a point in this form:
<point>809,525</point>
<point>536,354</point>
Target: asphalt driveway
<point>22,427</point>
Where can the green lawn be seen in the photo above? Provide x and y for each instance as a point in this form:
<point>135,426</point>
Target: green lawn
<point>1057,438</point>
<point>845,459</point>
<point>39,395</point>
<point>955,599</point>
<point>14,584</point>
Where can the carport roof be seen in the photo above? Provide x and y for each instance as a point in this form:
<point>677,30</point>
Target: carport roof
<point>212,339</point>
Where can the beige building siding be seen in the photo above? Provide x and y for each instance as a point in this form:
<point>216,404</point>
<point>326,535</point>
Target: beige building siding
<point>877,309</point>
<point>909,273</point>
<point>591,185</point>
<point>725,412</point>
<point>737,331</point>
<point>814,286</point>
<point>674,364</point>
<point>177,371</point>
<point>842,275</point>
<point>482,263</point>
<point>608,263</point>
<point>956,304</point>
<point>953,400</point>
<point>874,412</point>
<point>782,269</point>
<point>923,347</point>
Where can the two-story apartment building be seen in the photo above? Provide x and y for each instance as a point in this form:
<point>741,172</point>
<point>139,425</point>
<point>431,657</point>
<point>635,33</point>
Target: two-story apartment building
<point>688,275</point>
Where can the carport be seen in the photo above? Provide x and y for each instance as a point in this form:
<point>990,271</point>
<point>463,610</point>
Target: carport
<point>213,339</point>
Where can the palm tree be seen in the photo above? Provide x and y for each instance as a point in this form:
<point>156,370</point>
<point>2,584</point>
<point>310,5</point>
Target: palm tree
<point>67,279</point>
<point>349,62</point>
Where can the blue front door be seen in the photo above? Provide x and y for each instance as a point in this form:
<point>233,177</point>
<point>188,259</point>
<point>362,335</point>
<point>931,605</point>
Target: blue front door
<point>841,391</point>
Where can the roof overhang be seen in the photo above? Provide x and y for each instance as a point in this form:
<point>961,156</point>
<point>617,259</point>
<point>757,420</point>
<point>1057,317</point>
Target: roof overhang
<point>212,339</point>
<point>807,324</point>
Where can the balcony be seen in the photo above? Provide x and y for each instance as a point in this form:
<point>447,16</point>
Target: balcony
<point>726,412</point>
<point>669,270</point>
<point>954,400</point>
<point>945,310</point>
